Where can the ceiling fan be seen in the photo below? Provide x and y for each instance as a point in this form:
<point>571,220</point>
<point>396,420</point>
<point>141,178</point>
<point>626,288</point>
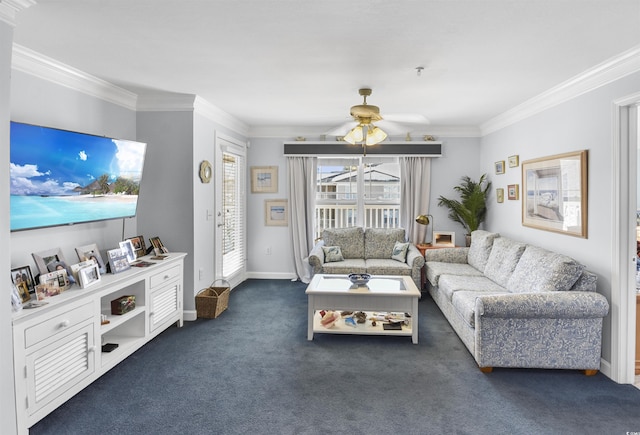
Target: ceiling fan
<point>365,115</point>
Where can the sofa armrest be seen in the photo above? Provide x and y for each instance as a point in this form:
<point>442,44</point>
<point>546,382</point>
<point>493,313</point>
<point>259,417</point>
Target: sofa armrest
<point>552,305</point>
<point>414,257</point>
<point>316,257</point>
<point>447,255</point>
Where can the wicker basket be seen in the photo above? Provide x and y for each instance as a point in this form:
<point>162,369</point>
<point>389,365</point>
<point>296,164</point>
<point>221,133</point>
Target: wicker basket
<point>213,300</point>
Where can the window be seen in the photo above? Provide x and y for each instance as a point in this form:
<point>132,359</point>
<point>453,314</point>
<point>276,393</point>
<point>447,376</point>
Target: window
<point>353,192</point>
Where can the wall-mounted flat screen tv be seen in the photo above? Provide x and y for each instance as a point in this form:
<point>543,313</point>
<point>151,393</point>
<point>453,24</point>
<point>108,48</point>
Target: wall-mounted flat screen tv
<point>61,177</point>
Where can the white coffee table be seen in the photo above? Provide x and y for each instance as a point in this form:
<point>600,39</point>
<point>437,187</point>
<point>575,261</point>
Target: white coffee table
<point>395,294</point>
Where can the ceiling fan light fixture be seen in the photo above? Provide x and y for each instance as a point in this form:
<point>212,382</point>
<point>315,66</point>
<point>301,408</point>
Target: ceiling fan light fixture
<point>355,135</point>
<point>375,135</point>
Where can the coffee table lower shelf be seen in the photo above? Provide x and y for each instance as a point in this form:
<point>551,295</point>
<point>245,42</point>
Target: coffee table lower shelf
<point>340,327</point>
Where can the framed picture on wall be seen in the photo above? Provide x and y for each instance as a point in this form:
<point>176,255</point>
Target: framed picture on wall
<point>264,179</point>
<point>513,192</point>
<point>555,193</point>
<point>276,212</point>
<point>499,167</point>
<point>514,161</point>
<point>500,195</point>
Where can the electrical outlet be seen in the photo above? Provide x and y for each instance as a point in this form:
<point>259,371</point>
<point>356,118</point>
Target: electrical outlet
<point>268,250</point>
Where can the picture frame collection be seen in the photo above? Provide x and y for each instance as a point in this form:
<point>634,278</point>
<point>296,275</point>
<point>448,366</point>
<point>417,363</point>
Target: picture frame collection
<point>55,274</point>
<point>512,189</point>
<point>554,191</point>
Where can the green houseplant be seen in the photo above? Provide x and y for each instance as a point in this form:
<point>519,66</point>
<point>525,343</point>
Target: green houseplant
<point>471,210</point>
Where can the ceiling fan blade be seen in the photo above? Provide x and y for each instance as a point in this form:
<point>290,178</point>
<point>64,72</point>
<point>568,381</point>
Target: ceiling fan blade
<point>342,129</point>
<point>394,128</point>
<point>407,118</point>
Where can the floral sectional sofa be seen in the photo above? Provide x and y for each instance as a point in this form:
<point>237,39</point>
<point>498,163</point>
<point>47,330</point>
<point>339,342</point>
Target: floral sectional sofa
<point>378,251</point>
<point>518,305</point>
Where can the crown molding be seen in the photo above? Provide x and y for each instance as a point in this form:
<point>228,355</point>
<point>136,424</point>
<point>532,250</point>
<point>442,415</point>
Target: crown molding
<point>46,68</point>
<point>613,69</point>
<point>9,8</point>
<point>163,102</point>
<point>313,132</point>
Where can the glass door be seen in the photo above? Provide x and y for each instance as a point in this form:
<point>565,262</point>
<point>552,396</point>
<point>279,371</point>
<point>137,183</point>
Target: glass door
<point>230,211</point>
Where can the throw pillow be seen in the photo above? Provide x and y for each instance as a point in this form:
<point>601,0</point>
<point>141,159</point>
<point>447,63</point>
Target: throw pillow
<point>332,254</point>
<point>400,252</point>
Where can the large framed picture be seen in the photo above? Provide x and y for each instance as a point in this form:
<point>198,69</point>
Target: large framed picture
<point>91,252</point>
<point>23,279</point>
<point>276,212</point>
<point>555,193</point>
<point>264,179</point>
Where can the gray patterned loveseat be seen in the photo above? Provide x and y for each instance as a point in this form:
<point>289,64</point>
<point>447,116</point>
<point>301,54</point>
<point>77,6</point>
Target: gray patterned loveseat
<point>378,251</point>
<point>517,305</point>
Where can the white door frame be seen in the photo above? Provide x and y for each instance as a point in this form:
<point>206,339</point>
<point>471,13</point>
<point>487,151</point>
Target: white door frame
<point>225,143</point>
<point>623,226</point>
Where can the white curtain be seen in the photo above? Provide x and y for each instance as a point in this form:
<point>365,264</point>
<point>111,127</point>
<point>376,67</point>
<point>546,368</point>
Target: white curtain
<point>415,179</point>
<point>302,198</point>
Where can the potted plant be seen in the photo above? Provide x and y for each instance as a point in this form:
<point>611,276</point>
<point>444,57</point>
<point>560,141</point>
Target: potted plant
<point>471,210</point>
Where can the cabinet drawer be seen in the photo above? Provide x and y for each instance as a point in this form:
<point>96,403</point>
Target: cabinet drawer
<point>164,276</point>
<point>59,323</point>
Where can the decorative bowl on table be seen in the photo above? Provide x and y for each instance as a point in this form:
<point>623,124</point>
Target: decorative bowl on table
<point>359,279</point>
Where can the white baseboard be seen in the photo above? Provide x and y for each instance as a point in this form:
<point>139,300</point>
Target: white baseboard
<point>271,275</point>
<point>190,315</point>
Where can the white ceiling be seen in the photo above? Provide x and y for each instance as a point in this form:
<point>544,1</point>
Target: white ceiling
<point>299,63</point>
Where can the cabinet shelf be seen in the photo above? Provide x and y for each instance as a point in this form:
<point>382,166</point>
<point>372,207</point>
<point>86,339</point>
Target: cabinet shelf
<point>117,320</point>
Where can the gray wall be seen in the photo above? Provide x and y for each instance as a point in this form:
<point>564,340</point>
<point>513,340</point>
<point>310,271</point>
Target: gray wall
<point>460,156</point>
<point>37,101</point>
<point>584,122</point>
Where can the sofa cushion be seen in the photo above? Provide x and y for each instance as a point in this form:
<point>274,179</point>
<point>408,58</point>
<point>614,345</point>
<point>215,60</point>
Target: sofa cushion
<point>350,240</point>
<point>540,270</point>
<point>481,244</point>
<point>352,265</point>
<point>387,266</point>
<point>332,253</point>
<point>435,269</point>
<point>399,252</point>
<point>379,242</point>
<point>449,284</point>
<point>586,282</point>
<point>503,260</point>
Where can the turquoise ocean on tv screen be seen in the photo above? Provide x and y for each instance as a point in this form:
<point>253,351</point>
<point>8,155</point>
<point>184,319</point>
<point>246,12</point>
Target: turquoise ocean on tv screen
<point>42,211</point>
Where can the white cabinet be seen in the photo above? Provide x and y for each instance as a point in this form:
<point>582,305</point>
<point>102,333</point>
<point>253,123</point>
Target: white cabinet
<point>57,347</point>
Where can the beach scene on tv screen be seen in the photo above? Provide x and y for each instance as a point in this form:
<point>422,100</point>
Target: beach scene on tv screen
<point>60,177</point>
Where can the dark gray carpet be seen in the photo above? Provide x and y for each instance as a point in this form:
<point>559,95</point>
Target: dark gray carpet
<point>252,370</point>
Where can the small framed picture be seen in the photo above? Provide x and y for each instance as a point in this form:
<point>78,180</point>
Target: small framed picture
<point>513,191</point>
<point>44,291</point>
<point>276,212</point>
<point>138,246</point>
<point>500,194</point>
<point>444,238</point>
<point>91,252</point>
<point>514,161</point>
<point>75,268</point>
<point>89,275</point>
<point>56,278</point>
<point>499,167</point>
<point>118,261</point>
<point>264,179</point>
<point>158,246</point>
<point>127,247</point>
<point>22,278</point>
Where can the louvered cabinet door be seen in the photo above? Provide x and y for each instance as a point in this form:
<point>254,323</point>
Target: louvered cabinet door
<point>165,306</point>
<point>58,365</point>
